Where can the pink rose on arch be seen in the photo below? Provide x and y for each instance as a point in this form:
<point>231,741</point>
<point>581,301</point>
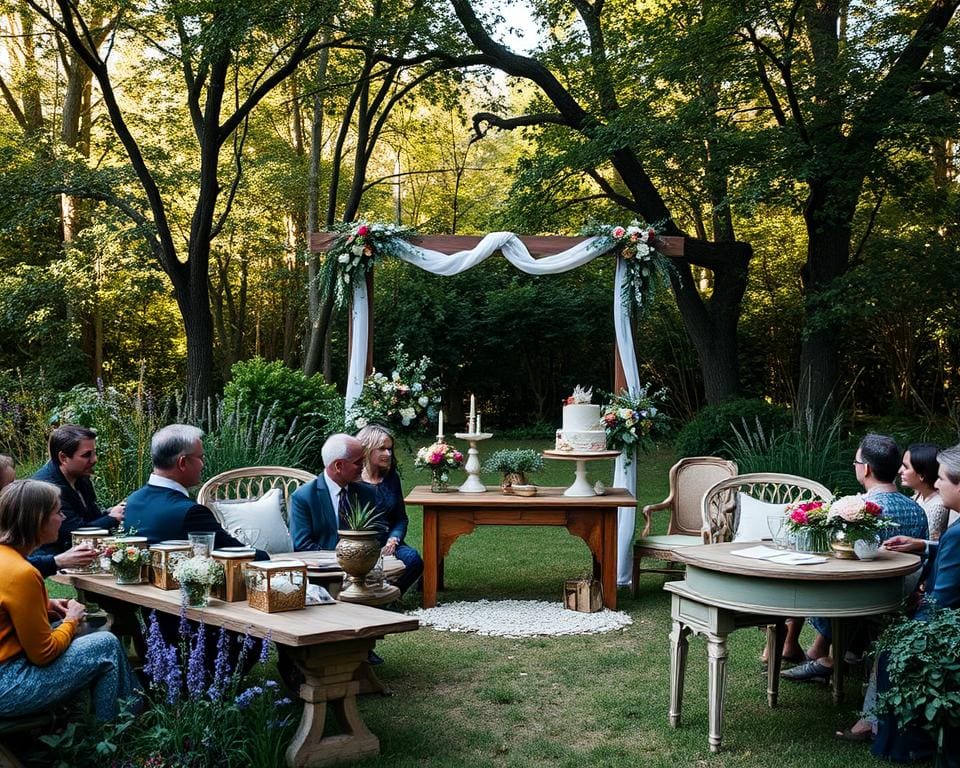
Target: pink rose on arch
<point>362,230</point>
<point>618,232</point>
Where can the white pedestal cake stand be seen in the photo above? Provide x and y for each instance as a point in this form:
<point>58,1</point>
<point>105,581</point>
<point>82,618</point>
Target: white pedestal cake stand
<point>472,484</point>
<point>581,486</point>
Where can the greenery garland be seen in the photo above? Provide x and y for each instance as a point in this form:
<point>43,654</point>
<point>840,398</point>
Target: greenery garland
<point>356,249</point>
<point>637,244</point>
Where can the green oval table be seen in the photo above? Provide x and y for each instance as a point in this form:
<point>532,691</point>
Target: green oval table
<point>722,592</point>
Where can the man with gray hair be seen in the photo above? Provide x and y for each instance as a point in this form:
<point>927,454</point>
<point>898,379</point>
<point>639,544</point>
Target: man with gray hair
<point>162,509</point>
<point>317,506</point>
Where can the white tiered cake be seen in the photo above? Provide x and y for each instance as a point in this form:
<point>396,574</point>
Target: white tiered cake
<point>581,431</point>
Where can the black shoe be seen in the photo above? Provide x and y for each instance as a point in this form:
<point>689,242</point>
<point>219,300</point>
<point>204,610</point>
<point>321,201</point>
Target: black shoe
<point>374,660</point>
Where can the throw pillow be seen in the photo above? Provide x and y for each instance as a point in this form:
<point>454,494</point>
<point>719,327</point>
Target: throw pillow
<point>264,513</point>
<point>752,516</point>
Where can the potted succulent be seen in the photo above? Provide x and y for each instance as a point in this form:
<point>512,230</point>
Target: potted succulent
<point>358,548</point>
<point>922,659</point>
<point>513,464</point>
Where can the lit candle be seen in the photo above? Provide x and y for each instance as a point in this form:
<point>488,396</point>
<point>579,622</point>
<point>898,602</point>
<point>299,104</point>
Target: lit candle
<point>478,423</point>
<point>440,427</point>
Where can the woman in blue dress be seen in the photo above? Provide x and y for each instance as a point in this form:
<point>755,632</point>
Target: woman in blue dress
<point>380,476</point>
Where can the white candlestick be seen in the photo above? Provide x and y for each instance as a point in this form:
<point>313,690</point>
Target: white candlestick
<point>440,427</point>
<point>478,424</point>
<point>473,410</point>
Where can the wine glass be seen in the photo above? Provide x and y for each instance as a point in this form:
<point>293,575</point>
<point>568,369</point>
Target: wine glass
<point>777,525</point>
<point>248,536</point>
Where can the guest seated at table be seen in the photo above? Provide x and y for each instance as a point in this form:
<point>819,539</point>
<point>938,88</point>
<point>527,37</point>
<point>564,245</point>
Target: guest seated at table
<point>162,509</point>
<point>380,476</point>
<point>918,472</point>
<point>42,666</point>
<point>316,508</point>
<point>941,582</point>
<point>73,456</point>
<point>876,464</point>
<point>8,473</point>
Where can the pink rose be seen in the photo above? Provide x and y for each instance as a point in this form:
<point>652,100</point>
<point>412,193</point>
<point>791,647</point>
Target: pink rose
<point>611,419</point>
<point>362,230</point>
<point>618,232</point>
<point>872,508</point>
<point>457,456</point>
<point>799,516</point>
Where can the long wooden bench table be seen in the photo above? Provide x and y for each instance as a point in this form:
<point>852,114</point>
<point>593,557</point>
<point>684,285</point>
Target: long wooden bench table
<point>327,643</point>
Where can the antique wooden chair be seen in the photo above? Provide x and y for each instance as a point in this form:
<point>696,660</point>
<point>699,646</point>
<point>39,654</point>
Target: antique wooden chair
<point>690,478</point>
<point>251,483</point>
<point>720,507</point>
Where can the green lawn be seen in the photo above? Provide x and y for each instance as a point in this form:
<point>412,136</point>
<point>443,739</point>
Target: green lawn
<point>464,700</point>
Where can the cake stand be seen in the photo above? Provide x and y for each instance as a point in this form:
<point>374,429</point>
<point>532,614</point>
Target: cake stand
<point>580,487</point>
<point>472,484</point>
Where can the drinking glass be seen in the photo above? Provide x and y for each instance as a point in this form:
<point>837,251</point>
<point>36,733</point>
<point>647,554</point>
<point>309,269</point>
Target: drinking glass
<point>778,530</point>
<point>202,543</point>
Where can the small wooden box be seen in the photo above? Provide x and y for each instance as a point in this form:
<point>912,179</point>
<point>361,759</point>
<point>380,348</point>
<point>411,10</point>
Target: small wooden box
<point>163,559</point>
<point>94,537</point>
<point>269,585</point>
<point>234,561</point>
<point>584,595</point>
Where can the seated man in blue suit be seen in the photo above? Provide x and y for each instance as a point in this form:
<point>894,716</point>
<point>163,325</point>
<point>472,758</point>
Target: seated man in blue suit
<point>162,509</point>
<point>315,508</point>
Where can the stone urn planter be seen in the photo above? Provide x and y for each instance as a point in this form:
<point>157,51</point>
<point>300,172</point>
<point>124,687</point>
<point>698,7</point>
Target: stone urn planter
<point>357,554</point>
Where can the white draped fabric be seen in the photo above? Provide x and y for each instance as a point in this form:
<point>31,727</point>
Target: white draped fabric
<point>517,254</point>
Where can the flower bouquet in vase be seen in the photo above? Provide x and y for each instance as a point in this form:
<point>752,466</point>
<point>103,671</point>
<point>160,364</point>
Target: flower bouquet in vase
<point>439,458</point>
<point>808,523</point>
<point>857,525</point>
<point>197,576</point>
<point>127,562</point>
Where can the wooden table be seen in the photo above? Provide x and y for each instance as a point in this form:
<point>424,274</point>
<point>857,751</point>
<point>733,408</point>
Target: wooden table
<point>722,592</point>
<point>447,516</point>
<point>328,643</point>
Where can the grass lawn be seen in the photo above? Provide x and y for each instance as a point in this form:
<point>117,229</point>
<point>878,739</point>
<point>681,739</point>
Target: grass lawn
<point>598,700</point>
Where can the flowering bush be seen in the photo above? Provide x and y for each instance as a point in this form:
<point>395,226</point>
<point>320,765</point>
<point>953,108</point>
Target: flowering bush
<point>808,515</point>
<point>854,518</point>
<point>126,561</point>
<point>439,458</point>
<point>359,246</point>
<point>637,245</point>
<point>405,400</point>
<point>632,418</point>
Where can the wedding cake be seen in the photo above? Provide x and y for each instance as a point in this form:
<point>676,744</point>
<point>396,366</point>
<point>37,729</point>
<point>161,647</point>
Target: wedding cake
<point>581,431</point>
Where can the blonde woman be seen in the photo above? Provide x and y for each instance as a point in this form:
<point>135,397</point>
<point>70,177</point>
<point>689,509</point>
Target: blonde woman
<point>380,476</point>
<point>42,666</point>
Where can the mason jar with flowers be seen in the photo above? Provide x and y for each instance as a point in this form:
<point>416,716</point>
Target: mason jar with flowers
<point>128,561</point>
<point>857,525</point>
<point>197,576</point>
<point>440,458</point>
<point>811,529</point>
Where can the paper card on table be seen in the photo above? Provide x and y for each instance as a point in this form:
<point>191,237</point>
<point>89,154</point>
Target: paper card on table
<point>758,553</point>
<point>797,558</point>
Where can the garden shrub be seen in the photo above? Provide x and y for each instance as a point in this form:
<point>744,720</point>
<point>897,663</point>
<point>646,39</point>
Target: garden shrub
<point>711,431</point>
<point>294,401</point>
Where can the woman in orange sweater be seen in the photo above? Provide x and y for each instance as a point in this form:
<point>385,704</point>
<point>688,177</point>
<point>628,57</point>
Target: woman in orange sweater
<point>41,666</point>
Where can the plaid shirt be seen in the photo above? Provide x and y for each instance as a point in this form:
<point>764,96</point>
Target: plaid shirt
<point>909,516</point>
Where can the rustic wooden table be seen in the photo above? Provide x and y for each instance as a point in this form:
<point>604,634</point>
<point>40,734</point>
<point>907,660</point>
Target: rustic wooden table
<point>722,592</point>
<point>328,643</point>
<point>447,516</point>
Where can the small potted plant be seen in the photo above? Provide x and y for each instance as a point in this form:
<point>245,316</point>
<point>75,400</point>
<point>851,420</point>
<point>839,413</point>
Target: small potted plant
<point>358,547</point>
<point>197,576</point>
<point>513,464</point>
<point>922,659</point>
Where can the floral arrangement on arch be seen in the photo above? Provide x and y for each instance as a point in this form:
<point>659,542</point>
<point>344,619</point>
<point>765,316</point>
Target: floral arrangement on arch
<point>405,401</point>
<point>856,518</point>
<point>357,248</point>
<point>632,418</point>
<point>636,243</point>
<point>439,458</point>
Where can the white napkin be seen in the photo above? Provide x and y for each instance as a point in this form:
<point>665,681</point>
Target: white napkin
<point>317,595</point>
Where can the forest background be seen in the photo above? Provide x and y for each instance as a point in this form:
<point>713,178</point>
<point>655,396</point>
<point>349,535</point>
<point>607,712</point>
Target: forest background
<point>161,166</point>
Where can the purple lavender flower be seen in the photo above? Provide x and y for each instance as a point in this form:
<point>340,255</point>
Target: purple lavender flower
<point>196,672</point>
<point>265,648</point>
<point>221,667</point>
<point>156,660</point>
<point>271,684</point>
<point>184,628</point>
<point>173,679</point>
<point>246,698</point>
<point>282,702</point>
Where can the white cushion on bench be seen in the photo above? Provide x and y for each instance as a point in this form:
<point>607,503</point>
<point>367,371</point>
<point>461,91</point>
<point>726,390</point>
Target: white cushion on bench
<point>264,513</point>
